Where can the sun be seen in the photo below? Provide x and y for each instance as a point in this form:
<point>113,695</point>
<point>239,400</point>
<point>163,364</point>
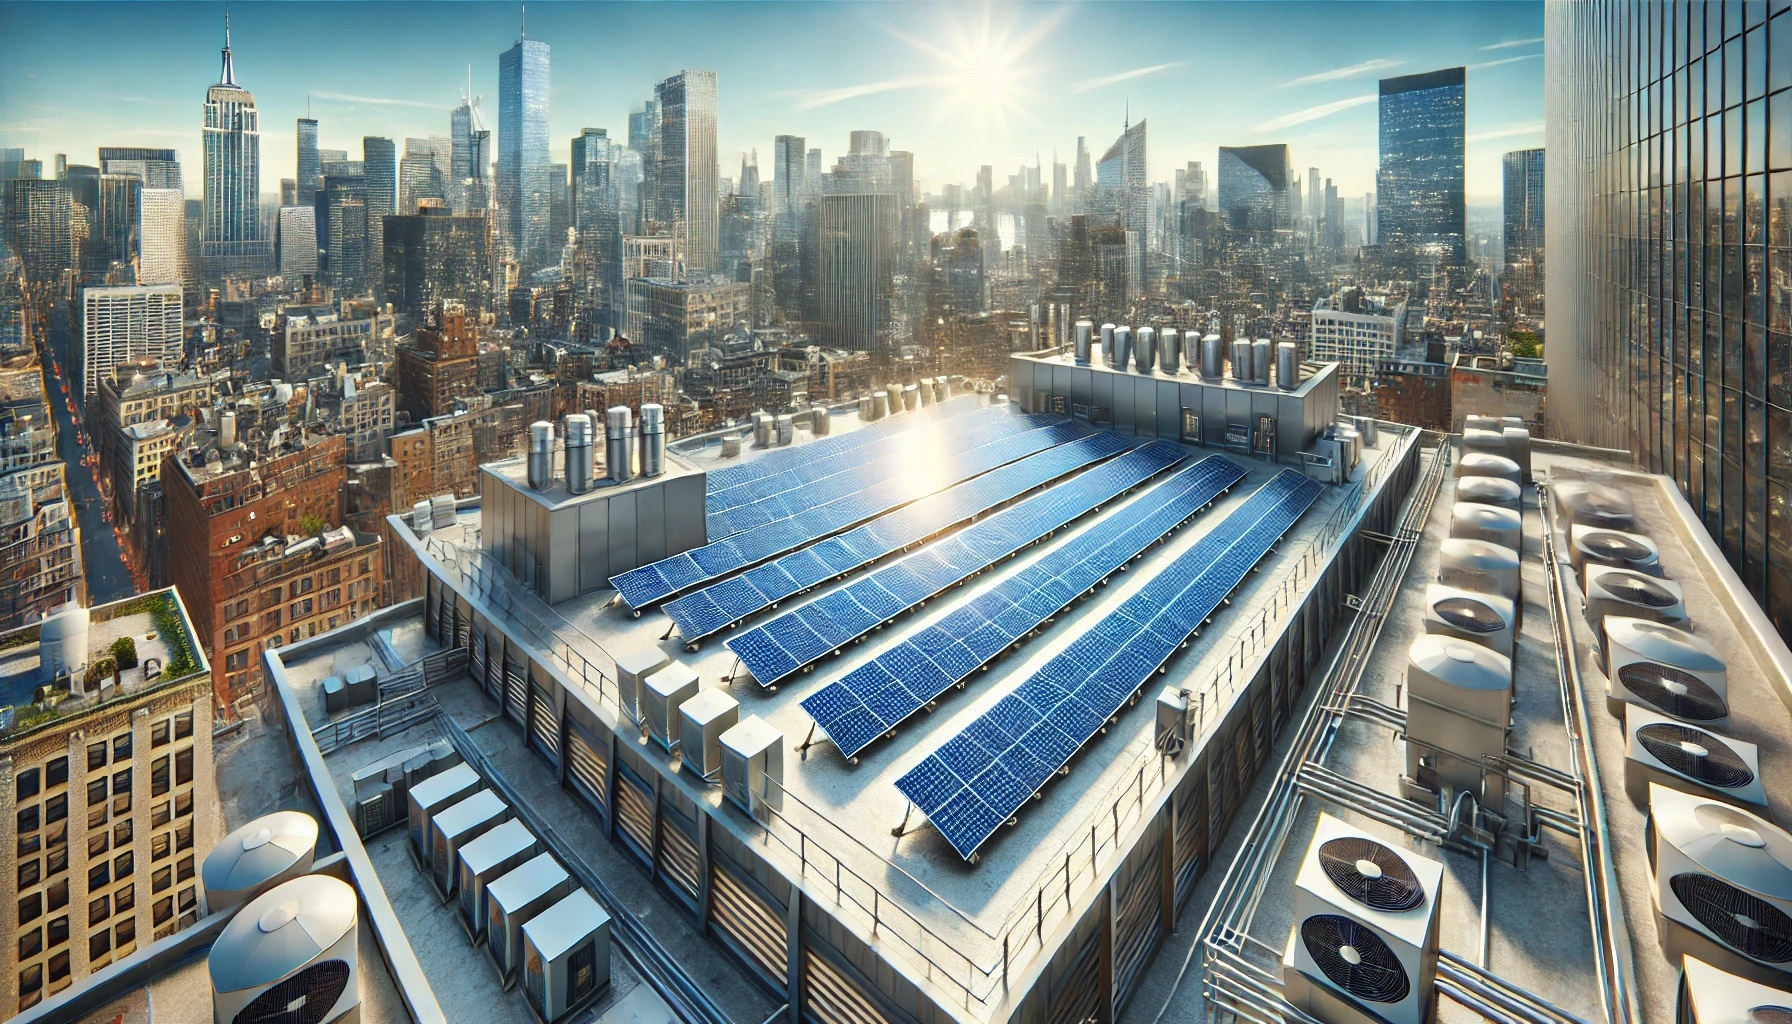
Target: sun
<point>984,67</point>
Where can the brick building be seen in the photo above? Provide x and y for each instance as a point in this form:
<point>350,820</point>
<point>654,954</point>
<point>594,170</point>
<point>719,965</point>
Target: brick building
<point>440,365</point>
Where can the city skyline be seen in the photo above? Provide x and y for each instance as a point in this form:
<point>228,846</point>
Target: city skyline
<point>959,89</point>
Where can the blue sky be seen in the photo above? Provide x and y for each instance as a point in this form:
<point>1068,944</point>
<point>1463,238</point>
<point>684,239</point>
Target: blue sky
<point>957,85</point>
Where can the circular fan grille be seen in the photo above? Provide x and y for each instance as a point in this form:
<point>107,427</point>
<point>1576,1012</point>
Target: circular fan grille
<point>1610,545</point>
<point>1355,958</point>
<point>304,998</point>
<point>1696,755</point>
<point>1742,920</point>
<point>1464,613</point>
<point>1388,884</point>
<point>1770,1015</point>
<point>1673,692</point>
<point>1637,590</point>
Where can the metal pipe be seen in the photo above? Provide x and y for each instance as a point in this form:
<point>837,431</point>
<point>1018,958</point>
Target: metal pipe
<point>580,455</point>
<point>1169,351</point>
<point>541,455</point>
<point>1287,366</point>
<point>1261,356</point>
<point>1454,965</point>
<point>1145,353</point>
<point>1122,347</point>
<point>618,465</point>
<point>1084,331</point>
<point>653,439</point>
<point>1482,959</point>
<point>1107,343</point>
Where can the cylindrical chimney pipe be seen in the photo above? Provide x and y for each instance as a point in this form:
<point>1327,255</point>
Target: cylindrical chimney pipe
<point>541,455</point>
<point>911,398</point>
<point>880,404</point>
<point>653,439</point>
<point>1287,366</point>
<point>1084,330</point>
<point>1212,358</point>
<point>1262,354</point>
<point>227,428</point>
<point>819,422</point>
<point>1122,346</point>
<point>1241,360</point>
<point>1107,343</point>
<point>618,460</point>
<point>581,457</point>
<point>1145,350</point>
<point>1169,351</point>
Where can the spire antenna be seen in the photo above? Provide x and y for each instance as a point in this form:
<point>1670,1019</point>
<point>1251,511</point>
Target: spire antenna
<point>524,33</point>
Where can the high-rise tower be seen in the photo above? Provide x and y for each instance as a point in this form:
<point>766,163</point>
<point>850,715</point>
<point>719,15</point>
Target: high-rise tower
<point>232,242</point>
<point>310,170</point>
<point>687,164</point>
<point>1420,181</point>
<point>524,198</point>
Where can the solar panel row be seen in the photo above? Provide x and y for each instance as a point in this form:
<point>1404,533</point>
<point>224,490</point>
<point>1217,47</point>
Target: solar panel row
<point>875,697</point>
<point>855,470</point>
<point>979,778</point>
<point>771,462</point>
<point>948,460</point>
<point>779,647</point>
<point>829,461</point>
<point>702,612</point>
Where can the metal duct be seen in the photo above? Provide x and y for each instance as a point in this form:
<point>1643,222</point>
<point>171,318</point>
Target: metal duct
<point>1122,347</point>
<point>653,439</point>
<point>895,392</point>
<point>763,427</point>
<point>581,458</point>
<point>1169,351</point>
<point>911,398</point>
<point>1084,332</point>
<point>1287,366</point>
<point>819,421</point>
<point>541,455</point>
<point>880,404</point>
<point>617,461</point>
<point>1107,343</point>
<point>1145,353</point>
<point>786,428</point>
<point>1212,358</point>
<point>1241,360</point>
<point>1261,356</point>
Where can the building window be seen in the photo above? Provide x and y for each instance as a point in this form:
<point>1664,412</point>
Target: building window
<point>96,791</point>
<point>183,837</point>
<point>183,767</point>
<point>59,967</point>
<point>161,846</point>
<point>159,734</point>
<point>98,843</point>
<point>98,875</point>
<point>121,748</point>
<point>31,907</point>
<point>183,804</point>
<point>99,944</point>
<point>121,833</point>
<point>30,872</point>
<point>31,943</point>
<point>31,986</point>
<point>121,791</point>
<point>127,934</point>
<point>56,894</point>
<point>158,776</point>
<point>96,755</point>
<point>160,880</point>
<point>56,808</point>
<point>99,910</point>
<point>183,725</point>
<point>124,864</point>
<point>56,773</point>
<point>29,820</point>
<point>184,869</point>
<point>56,861</point>
<point>25,784</point>
<point>125,899</point>
<point>57,932</point>
<point>158,815</point>
<point>164,909</point>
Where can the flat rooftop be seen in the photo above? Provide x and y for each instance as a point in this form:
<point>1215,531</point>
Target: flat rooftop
<point>1186,373</point>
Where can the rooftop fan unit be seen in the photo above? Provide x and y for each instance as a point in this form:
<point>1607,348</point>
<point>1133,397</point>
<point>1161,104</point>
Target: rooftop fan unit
<point>1485,619</point>
<point>1692,760</point>
<point>1488,464</point>
<point>257,857</point>
<point>289,955</point>
<point>1474,521</point>
<point>1666,670</point>
<point>1596,545</point>
<point>1489,490</point>
<point>1612,590</point>
<point>1582,503</point>
<point>1365,939</point>
<point>632,667</point>
<point>491,856</point>
<point>1483,441</point>
<point>1480,566</point>
<point>1712,996</point>
<point>431,795</point>
<point>1723,885</point>
<point>1458,702</point>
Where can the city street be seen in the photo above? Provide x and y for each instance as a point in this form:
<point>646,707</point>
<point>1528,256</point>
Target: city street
<point>108,577</point>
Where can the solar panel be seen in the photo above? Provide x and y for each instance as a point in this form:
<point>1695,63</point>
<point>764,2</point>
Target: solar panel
<point>976,632</point>
<point>767,464</point>
<point>896,587</point>
<point>1089,681</point>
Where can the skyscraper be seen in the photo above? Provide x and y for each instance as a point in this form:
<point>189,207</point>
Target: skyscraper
<point>687,164</point>
<point>418,178</point>
<point>787,173</point>
<point>1060,185</point>
<point>1522,179</point>
<point>1085,178</point>
<point>310,170</point>
<point>858,240</point>
<point>467,155</point>
<point>523,198</point>
<point>231,239</point>
<point>342,231</point>
<point>45,228</point>
<point>296,243</point>
<point>1120,185</point>
<point>380,168</point>
<point>1420,179</point>
<point>1254,186</point>
<point>1668,238</point>
<point>120,324</point>
<point>1316,201</point>
<point>161,236</point>
<point>155,168</point>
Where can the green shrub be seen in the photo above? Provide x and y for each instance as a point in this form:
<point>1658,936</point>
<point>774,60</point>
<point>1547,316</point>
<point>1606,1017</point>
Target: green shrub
<point>124,650</point>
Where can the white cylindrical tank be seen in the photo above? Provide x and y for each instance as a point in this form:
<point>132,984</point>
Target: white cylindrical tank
<point>1262,353</point>
<point>581,457</point>
<point>262,854</point>
<point>1085,331</point>
<point>541,455</point>
<point>294,942</point>
<point>618,463</point>
<point>653,439</point>
<point>62,646</point>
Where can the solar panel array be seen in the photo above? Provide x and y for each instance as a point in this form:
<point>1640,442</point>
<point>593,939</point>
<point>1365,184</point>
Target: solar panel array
<point>828,475</point>
<point>882,487</point>
<point>877,696</point>
<point>790,641</point>
<point>702,612</point>
<point>767,463</point>
<point>979,778</point>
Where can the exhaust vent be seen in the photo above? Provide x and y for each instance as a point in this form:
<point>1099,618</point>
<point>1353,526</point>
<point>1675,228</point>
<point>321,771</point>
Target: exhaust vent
<point>1169,351</point>
<point>541,455</point>
<point>1288,367</point>
<point>1145,354</point>
<point>1212,358</point>
<point>653,439</point>
<point>1262,353</point>
<point>1107,343</point>
<point>617,460</point>
<point>581,457</point>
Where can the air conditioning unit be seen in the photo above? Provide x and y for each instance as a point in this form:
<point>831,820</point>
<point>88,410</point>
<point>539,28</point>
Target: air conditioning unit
<point>1480,566</point>
<point>1712,996</point>
<point>661,694</point>
<point>1487,464</point>
<point>431,795</point>
<point>1596,545</point>
<point>1722,886</point>
<point>294,945</point>
<point>1458,700</point>
<point>1490,490</point>
<point>512,901</point>
<point>1611,590</point>
<point>1583,503</point>
<point>1660,750</point>
<point>702,721</point>
<point>491,856</point>
<point>566,956</point>
<point>1484,441</point>
<point>1473,521</point>
<point>454,827</point>
<point>753,763</point>
<point>1485,619</point>
<point>1666,670</point>
<point>631,668</point>
<point>1365,938</point>
<point>257,857</point>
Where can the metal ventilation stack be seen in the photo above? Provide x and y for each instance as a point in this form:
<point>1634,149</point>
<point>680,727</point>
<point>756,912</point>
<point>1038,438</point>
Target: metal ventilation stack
<point>617,464</point>
<point>296,942</point>
<point>653,440</point>
<point>1084,332</point>
<point>253,859</point>
<point>1459,706</point>
<point>1212,358</point>
<point>541,455</point>
<point>581,457</point>
<point>1169,351</point>
<point>1287,366</point>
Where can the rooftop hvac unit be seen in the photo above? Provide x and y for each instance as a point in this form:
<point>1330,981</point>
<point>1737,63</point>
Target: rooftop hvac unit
<point>1612,590</point>
<point>489,857</point>
<point>456,826</point>
<point>1482,441</point>
<point>1684,757</point>
<point>441,510</point>
<point>1709,995</point>
<point>662,693</point>
<point>753,763</point>
<point>1485,619</point>
<point>257,857</point>
<point>1480,566</point>
<point>1365,940</point>
<point>1666,670</point>
<point>1518,449</point>
<point>631,668</point>
<point>1459,700</point>
<point>1490,523</point>
<point>731,446</point>
<point>512,901</point>
<point>1172,734</point>
<point>376,809</point>
<point>701,722</point>
<point>765,428</point>
<point>1579,502</point>
<point>1596,545</point>
<point>289,955</point>
<point>431,795</point>
<point>566,956</point>
<point>1483,464</point>
<point>1489,490</point>
<point>787,428</point>
<point>1722,886</point>
<point>422,517</point>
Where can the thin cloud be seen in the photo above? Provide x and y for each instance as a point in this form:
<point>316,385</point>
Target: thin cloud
<point>1507,131</point>
<point>813,98</point>
<point>1089,84</point>
<point>1313,113</point>
<point>1368,67</point>
<point>1510,43</point>
<point>131,98</point>
<point>378,101</point>
<point>1504,60</point>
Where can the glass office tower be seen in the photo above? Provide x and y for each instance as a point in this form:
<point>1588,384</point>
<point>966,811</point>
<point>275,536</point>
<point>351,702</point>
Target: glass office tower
<point>1419,189</point>
<point>687,164</point>
<point>1254,187</point>
<point>523,198</point>
<point>1669,233</point>
<point>1521,182</point>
